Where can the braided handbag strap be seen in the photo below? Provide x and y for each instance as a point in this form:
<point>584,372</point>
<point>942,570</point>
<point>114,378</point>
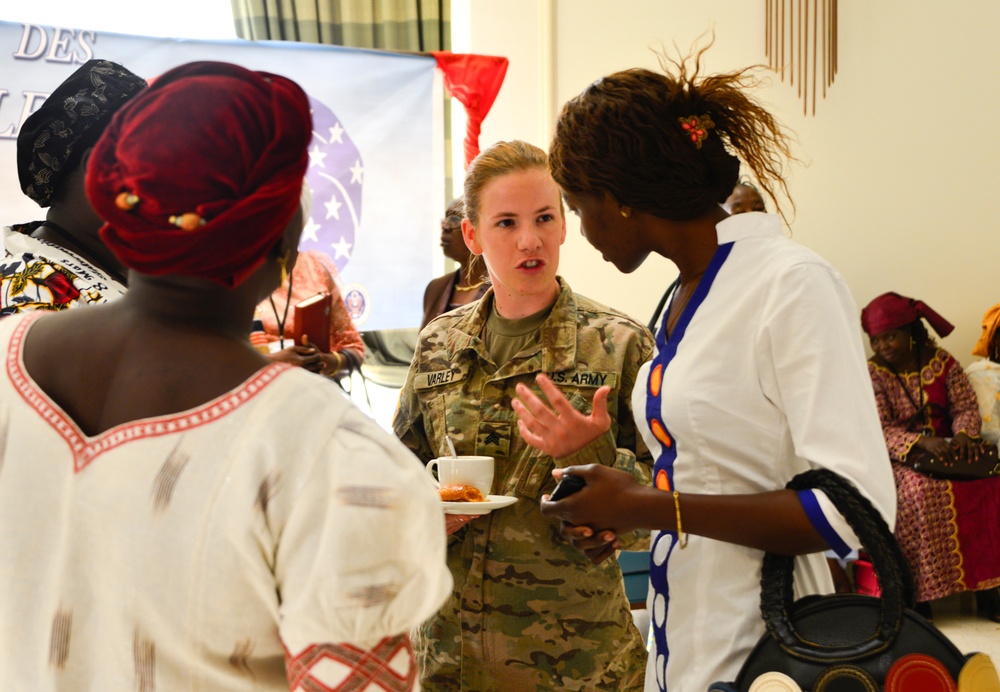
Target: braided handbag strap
<point>887,559</point>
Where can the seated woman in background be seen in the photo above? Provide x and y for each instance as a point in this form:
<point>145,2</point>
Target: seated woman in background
<point>745,198</point>
<point>528,612</point>
<point>949,531</point>
<point>984,375</point>
<point>312,273</point>
<point>177,511</point>
<point>467,283</point>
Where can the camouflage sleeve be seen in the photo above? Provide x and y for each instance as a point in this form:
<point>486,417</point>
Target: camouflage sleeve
<point>638,351</point>
<point>626,450</point>
<point>408,421</point>
<point>633,455</point>
<point>408,424</point>
<point>640,465</point>
<point>604,450</point>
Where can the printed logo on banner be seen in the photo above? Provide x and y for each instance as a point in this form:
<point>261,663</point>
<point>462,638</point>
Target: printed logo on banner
<point>358,303</point>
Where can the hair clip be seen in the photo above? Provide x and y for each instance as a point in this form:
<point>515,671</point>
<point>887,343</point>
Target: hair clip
<point>188,221</point>
<point>126,201</point>
<point>697,128</point>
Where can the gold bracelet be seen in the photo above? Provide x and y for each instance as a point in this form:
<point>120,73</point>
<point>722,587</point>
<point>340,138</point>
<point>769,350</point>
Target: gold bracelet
<point>682,538</point>
<point>340,363</point>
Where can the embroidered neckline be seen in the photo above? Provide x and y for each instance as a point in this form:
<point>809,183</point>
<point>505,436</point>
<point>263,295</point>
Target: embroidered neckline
<point>927,373</point>
<point>86,448</point>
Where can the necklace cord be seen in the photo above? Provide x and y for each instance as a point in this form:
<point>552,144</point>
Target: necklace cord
<point>284,317</point>
<point>906,390</point>
<point>470,287</point>
<point>672,315</point>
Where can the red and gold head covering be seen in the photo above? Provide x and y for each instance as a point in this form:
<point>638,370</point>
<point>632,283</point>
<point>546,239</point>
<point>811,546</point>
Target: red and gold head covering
<point>200,174</point>
<point>990,322</point>
<point>892,311</point>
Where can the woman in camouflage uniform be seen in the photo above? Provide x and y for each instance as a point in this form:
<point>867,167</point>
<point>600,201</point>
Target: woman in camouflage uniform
<point>529,611</point>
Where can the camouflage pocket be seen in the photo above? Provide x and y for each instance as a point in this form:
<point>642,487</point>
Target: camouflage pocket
<point>447,412</point>
<point>493,439</point>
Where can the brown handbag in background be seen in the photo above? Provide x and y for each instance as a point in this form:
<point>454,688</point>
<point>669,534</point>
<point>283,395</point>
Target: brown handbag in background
<point>922,461</point>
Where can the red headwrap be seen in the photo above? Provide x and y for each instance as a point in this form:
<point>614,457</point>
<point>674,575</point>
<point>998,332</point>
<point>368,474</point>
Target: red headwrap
<point>892,311</point>
<point>210,139</point>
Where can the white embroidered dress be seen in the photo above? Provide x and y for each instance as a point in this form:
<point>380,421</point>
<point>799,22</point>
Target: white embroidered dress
<point>276,525</point>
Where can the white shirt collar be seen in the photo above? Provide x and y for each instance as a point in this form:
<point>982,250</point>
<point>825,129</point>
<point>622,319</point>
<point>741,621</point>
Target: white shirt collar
<point>748,225</point>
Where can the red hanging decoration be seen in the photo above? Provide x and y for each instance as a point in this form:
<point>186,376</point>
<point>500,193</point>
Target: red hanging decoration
<point>475,81</point>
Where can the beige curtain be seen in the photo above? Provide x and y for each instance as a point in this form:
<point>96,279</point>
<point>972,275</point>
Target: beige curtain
<point>418,26</point>
<point>406,25</point>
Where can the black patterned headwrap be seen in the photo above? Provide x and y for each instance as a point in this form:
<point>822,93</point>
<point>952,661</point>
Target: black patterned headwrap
<point>53,138</point>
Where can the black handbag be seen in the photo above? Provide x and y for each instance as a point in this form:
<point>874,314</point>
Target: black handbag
<point>922,461</point>
<point>852,642</point>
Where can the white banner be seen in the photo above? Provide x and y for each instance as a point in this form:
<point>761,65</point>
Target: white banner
<point>375,169</point>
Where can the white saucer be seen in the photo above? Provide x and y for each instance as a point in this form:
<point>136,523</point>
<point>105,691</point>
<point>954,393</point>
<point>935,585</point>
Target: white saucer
<point>476,508</point>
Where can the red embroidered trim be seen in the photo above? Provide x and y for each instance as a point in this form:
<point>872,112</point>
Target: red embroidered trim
<point>367,667</point>
<point>85,449</point>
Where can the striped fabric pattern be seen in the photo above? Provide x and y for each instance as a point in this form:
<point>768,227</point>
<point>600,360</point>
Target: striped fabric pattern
<point>406,25</point>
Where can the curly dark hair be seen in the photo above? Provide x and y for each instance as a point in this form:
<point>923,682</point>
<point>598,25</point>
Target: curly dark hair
<point>622,137</point>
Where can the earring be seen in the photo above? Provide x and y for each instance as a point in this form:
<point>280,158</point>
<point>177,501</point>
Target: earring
<point>625,213</point>
<point>283,263</point>
<point>912,343</point>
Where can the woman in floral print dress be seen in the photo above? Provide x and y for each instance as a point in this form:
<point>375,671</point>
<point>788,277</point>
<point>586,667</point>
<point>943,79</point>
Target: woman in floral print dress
<point>949,530</point>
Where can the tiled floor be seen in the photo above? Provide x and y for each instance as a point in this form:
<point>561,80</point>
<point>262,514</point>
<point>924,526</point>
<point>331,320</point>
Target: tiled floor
<point>955,617</point>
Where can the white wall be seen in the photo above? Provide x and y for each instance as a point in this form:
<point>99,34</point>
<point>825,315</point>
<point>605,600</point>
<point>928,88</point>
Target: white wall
<point>898,159</point>
<point>204,19</point>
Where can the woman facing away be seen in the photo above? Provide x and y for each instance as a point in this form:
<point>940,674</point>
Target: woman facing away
<point>464,285</point>
<point>757,375</point>
<point>949,531</point>
<point>177,511</point>
<point>528,611</point>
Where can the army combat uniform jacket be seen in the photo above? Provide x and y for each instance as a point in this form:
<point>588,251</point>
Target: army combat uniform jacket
<point>529,611</point>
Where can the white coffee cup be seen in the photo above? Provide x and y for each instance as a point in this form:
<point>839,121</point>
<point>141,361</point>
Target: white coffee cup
<point>463,470</point>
